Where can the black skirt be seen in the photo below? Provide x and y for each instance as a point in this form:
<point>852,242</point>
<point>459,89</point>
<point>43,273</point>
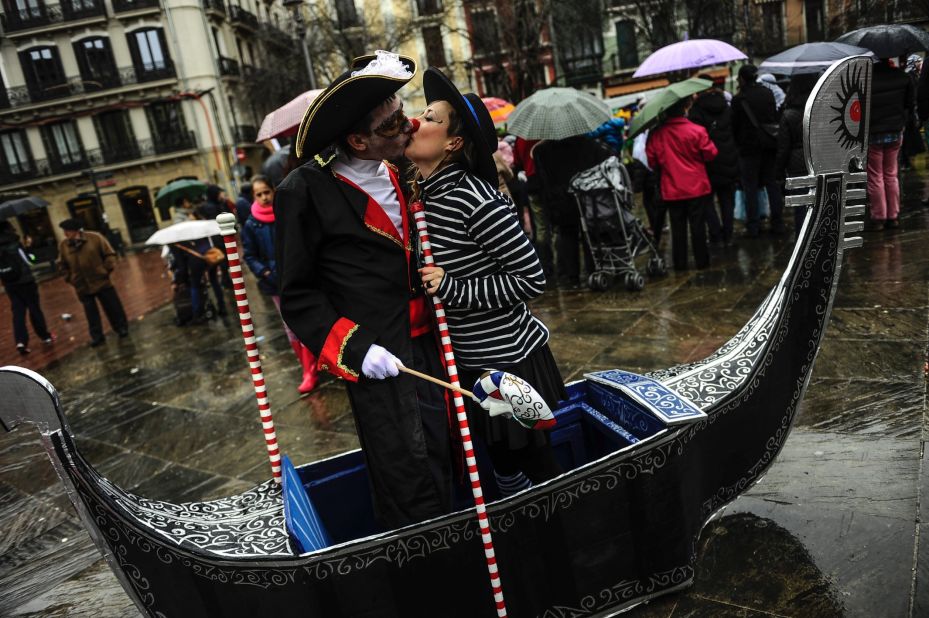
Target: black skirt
<point>539,370</point>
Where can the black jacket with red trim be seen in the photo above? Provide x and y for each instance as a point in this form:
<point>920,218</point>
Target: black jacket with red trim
<point>344,271</point>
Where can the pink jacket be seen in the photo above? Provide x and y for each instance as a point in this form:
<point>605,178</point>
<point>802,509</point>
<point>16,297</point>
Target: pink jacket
<point>679,149</point>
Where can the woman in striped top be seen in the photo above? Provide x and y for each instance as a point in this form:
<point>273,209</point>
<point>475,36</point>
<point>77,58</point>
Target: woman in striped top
<point>486,269</point>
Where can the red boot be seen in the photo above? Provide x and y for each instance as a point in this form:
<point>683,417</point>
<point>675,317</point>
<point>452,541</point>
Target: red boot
<point>310,372</point>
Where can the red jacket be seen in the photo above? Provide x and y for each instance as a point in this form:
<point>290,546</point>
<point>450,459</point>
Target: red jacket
<point>679,149</point>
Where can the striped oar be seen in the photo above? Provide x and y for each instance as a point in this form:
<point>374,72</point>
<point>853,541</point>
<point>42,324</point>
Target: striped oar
<point>419,215</point>
<point>227,228</point>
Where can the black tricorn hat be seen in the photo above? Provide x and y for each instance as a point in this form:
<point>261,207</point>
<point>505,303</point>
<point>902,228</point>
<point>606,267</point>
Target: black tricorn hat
<point>474,116</point>
<point>345,102</point>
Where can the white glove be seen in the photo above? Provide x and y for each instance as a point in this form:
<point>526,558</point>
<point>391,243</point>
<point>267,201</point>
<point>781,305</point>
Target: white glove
<point>379,363</point>
<point>522,176</point>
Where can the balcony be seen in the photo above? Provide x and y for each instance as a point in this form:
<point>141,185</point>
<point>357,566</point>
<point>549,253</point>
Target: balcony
<point>44,15</point>
<point>242,18</point>
<point>19,96</point>
<point>71,164</point>
<point>150,73</point>
<point>166,143</point>
<point>124,6</point>
<point>118,153</point>
<point>228,67</point>
<point>244,134</point>
<point>217,8</point>
<point>34,169</point>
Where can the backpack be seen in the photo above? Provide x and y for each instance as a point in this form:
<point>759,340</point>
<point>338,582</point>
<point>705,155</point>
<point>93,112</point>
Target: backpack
<point>11,264</point>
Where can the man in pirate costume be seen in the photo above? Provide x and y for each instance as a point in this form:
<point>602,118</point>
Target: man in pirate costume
<point>349,284</point>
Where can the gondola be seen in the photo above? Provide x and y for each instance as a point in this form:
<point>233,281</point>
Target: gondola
<point>651,459</point>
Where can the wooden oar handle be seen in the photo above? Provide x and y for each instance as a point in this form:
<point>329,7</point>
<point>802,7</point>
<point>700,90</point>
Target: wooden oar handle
<point>429,378</point>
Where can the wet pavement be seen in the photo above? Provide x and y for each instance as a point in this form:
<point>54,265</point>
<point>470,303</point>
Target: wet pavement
<point>834,529</point>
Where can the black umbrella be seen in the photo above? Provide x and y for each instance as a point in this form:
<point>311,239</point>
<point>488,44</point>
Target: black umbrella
<point>21,205</point>
<point>810,58</point>
<point>888,40</point>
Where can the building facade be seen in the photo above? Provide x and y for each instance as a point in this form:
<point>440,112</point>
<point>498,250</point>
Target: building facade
<point>105,101</point>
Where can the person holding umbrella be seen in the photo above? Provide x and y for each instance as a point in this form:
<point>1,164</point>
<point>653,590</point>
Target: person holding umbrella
<point>486,269</point>
<point>678,150</point>
<point>87,260</point>
<point>21,288</point>
<point>892,100</point>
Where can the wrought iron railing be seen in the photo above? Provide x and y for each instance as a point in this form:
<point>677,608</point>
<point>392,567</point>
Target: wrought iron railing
<point>168,141</point>
<point>72,163</point>
<point>17,96</point>
<point>25,171</point>
<point>228,67</point>
<point>217,6</point>
<point>43,14</point>
<point>116,153</point>
<point>121,6</point>
<point>239,16</point>
<point>152,72</point>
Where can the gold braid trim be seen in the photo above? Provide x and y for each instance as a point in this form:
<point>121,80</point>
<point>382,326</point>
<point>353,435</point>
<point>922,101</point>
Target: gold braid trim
<point>384,234</point>
<point>338,360</point>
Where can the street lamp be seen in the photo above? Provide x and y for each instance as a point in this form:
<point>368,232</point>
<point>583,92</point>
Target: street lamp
<point>301,30</point>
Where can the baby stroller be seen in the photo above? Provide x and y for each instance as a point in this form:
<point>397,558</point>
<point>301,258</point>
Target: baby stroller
<point>612,233</point>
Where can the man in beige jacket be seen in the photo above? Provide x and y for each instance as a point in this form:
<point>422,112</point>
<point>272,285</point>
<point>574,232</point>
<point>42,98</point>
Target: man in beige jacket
<point>86,259</point>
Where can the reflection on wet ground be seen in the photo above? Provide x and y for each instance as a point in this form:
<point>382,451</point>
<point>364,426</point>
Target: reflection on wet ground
<point>834,528</point>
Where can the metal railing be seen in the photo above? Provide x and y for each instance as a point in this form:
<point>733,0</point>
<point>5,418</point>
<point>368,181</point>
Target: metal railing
<point>169,142</point>
<point>34,169</point>
<point>18,96</point>
<point>117,153</point>
<point>217,6</point>
<point>238,15</point>
<point>228,67</point>
<point>121,6</point>
<point>45,14</point>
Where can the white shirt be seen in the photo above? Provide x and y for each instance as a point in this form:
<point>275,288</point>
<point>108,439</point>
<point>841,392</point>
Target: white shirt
<point>374,179</point>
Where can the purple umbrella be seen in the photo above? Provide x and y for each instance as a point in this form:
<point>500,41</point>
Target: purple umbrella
<point>690,54</point>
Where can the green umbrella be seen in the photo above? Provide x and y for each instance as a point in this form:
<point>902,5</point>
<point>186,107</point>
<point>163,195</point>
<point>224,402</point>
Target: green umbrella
<point>557,113</point>
<point>654,110</point>
<point>168,194</point>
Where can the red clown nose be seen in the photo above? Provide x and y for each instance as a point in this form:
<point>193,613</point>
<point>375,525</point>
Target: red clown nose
<point>414,123</point>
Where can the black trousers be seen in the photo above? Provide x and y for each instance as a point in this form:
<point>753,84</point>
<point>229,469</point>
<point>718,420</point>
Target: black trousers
<point>757,171</point>
<point>112,307</point>
<point>720,225</point>
<point>692,213</point>
<point>655,209</point>
<point>24,297</point>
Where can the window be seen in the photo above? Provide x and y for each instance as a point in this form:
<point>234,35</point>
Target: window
<point>772,23</point>
<point>150,54</point>
<point>14,151</point>
<point>627,48</point>
<point>44,75</point>
<point>117,140</point>
<point>428,7</point>
<point>219,48</point>
<point>484,39</point>
<point>495,84</point>
<point>346,13</point>
<point>435,47</point>
<point>166,122</point>
<point>95,60</point>
<point>63,145</point>
<point>28,9</point>
<point>814,20</point>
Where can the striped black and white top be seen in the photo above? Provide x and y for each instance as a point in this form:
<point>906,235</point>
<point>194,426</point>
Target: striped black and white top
<point>491,269</point>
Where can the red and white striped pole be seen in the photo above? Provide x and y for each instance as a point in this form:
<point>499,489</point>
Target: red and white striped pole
<point>227,228</point>
<point>419,215</point>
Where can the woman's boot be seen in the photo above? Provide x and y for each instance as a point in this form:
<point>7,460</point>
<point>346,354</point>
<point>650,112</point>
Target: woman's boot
<point>310,373</point>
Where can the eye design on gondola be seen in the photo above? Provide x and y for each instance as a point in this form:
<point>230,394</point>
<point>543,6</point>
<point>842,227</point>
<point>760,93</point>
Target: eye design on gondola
<point>849,116</point>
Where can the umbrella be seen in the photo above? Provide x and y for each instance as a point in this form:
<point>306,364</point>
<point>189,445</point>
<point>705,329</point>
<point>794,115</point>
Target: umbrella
<point>557,113</point>
<point>275,166</point>
<point>653,113</point>
<point>184,231</point>
<point>810,58</point>
<point>18,206</point>
<point>889,40</point>
<point>690,54</point>
<point>499,109</point>
<point>285,120</point>
<point>168,194</point>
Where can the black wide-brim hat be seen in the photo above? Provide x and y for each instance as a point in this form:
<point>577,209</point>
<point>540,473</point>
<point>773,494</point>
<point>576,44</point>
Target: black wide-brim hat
<point>347,99</point>
<point>474,116</point>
